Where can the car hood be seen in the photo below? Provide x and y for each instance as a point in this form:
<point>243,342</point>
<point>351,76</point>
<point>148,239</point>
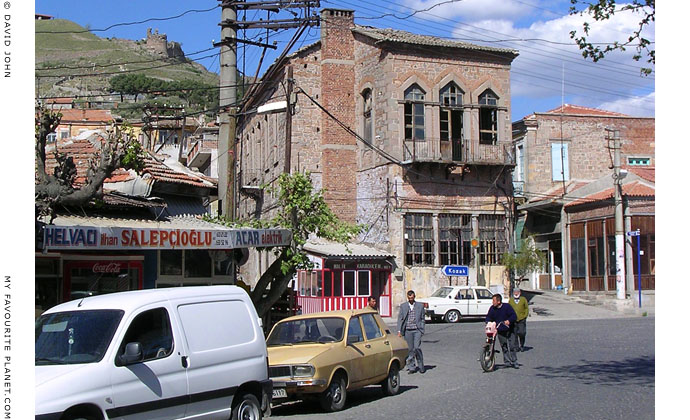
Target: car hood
<point>297,354</point>
<point>45,374</point>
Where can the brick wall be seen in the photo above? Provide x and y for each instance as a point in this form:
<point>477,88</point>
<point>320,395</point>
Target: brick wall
<point>589,157</point>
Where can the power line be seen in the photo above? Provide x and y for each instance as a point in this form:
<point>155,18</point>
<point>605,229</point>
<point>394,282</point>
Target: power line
<point>131,23</point>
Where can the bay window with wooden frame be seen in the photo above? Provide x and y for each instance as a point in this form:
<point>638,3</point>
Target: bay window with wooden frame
<point>450,118</point>
<point>414,113</point>
<point>455,237</point>
<point>367,124</point>
<point>488,118</point>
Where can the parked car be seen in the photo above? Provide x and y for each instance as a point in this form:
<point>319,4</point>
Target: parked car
<point>328,354</point>
<point>450,303</point>
<point>177,353</point>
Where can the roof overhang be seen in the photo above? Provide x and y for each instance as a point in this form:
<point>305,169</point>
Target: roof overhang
<point>345,251</point>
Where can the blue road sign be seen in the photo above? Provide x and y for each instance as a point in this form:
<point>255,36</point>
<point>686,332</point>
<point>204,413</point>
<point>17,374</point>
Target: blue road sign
<point>634,232</point>
<point>456,270</point>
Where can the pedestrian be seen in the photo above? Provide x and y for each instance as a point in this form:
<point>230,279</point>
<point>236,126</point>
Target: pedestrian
<point>411,326</point>
<point>372,303</point>
<point>504,316</point>
<point>521,308</point>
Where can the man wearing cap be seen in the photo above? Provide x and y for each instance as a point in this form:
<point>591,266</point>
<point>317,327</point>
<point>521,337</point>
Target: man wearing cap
<point>519,304</point>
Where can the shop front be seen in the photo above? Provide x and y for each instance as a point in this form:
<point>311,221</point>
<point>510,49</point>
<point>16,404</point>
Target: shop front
<point>341,280</point>
<point>90,256</point>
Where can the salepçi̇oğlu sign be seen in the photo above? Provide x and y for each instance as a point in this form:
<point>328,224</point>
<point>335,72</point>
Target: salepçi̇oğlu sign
<point>87,237</point>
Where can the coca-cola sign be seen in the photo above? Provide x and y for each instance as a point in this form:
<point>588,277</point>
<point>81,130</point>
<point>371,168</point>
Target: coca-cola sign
<point>104,268</point>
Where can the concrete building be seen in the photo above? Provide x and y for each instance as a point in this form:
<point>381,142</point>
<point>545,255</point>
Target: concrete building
<point>562,156</point>
<point>406,134</point>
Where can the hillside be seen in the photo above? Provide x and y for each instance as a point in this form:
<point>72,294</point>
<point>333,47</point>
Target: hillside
<point>62,60</point>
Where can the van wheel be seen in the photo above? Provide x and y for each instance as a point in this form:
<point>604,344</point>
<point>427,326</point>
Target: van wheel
<point>391,385</point>
<point>333,398</point>
<point>248,408</point>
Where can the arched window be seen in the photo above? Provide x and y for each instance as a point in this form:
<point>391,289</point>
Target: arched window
<point>451,112</point>
<point>366,115</point>
<point>414,113</point>
<point>488,117</point>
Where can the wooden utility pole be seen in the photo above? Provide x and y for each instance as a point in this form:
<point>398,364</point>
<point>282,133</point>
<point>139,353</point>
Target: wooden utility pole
<point>288,121</point>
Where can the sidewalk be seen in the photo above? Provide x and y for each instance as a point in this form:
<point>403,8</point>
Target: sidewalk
<point>556,305</point>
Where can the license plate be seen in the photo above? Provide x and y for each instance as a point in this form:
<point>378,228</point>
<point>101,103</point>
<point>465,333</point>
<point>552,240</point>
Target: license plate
<point>279,393</point>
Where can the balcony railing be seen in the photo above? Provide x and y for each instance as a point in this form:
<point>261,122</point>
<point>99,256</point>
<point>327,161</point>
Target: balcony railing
<point>200,152</point>
<point>457,151</point>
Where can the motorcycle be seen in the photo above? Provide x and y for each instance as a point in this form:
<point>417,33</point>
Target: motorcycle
<point>487,357</point>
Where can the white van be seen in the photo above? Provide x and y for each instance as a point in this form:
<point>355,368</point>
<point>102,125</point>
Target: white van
<point>178,353</point>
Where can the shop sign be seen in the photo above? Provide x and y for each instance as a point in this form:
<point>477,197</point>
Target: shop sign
<point>82,237</point>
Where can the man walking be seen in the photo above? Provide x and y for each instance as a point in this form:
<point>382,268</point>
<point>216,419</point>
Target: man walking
<point>521,308</point>
<point>504,316</point>
<point>411,326</point>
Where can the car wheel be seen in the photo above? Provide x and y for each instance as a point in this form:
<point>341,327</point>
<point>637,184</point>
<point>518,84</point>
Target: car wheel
<point>452,316</point>
<point>333,398</point>
<point>248,408</point>
<point>391,385</point>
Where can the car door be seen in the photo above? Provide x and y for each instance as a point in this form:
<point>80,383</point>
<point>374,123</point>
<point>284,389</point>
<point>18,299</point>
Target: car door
<point>462,300</point>
<point>483,300</point>
<point>379,345</point>
<point>360,352</point>
<point>155,387</point>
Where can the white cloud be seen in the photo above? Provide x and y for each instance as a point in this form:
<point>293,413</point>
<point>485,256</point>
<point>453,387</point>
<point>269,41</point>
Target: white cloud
<point>471,10</point>
<point>637,106</point>
<point>542,67</point>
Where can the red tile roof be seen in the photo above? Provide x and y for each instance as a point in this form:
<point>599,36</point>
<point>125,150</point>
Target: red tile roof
<point>632,189</point>
<point>646,173</point>
<point>569,109</point>
<point>85,116</point>
<point>163,173</point>
<point>59,100</point>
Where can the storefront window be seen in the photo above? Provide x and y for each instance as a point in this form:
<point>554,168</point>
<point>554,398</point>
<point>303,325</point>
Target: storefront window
<point>171,262</point>
<point>348,283</point>
<point>101,278</point>
<point>197,263</point>
<point>362,283</point>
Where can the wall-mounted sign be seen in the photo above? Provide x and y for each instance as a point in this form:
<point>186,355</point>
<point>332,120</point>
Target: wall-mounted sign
<point>83,237</point>
<point>456,270</point>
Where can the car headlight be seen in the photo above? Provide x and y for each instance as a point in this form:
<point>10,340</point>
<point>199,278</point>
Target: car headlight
<point>303,371</point>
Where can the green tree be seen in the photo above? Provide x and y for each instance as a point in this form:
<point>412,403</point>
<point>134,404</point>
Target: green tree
<point>119,150</point>
<point>305,212</point>
<point>602,10</point>
<point>525,261</point>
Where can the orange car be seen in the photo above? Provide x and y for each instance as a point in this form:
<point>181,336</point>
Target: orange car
<point>327,354</point>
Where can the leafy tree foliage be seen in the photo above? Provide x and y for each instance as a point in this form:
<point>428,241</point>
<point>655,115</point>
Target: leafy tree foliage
<point>602,10</point>
<point>305,212</point>
<point>525,261</point>
<point>119,149</point>
<point>197,95</point>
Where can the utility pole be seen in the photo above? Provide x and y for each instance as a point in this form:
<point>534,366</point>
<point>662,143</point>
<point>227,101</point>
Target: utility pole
<point>228,81</point>
<point>288,121</point>
<point>228,121</point>
<point>618,207</point>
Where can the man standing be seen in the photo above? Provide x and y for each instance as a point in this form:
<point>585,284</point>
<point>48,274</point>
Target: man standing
<point>504,316</point>
<point>411,326</point>
<point>521,308</point>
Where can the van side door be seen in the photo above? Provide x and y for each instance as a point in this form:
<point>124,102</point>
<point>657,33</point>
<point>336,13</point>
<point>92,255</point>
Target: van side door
<point>154,386</point>
<point>226,348</point>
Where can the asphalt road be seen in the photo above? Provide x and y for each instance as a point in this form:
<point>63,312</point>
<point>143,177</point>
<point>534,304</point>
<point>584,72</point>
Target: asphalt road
<point>576,369</point>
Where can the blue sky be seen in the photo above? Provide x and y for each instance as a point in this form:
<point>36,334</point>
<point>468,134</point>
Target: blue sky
<point>547,71</point>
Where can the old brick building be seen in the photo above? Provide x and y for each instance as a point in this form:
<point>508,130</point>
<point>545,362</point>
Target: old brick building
<point>562,157</point>
<point>406,134</point>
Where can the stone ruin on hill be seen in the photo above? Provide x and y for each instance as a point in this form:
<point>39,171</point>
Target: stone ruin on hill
<point>158,44</point>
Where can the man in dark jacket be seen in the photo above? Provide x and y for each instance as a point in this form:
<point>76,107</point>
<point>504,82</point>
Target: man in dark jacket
<point>504,316</point>
<point>411,327</point>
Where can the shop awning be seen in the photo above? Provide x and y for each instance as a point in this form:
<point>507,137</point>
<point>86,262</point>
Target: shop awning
<point>349,251</point>
<point>100,233</point>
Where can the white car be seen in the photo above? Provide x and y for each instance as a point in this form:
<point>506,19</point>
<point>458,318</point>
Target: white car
<point>450,303</point>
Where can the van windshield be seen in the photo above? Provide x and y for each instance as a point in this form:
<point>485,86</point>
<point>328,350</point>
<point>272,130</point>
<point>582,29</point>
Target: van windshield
<point>310,330</point>
<point>74,337</point>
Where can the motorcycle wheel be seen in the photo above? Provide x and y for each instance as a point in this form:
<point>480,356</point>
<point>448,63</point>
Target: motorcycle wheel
<point>486,359</point>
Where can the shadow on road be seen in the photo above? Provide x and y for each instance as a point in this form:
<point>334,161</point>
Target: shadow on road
<point>637,371</point>
<point>311,405</point>
<point>541,311</point>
